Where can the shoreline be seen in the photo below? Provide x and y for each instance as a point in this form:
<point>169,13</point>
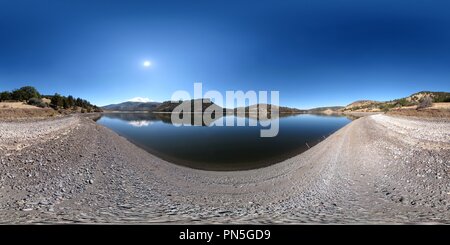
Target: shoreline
<point>356,175</point>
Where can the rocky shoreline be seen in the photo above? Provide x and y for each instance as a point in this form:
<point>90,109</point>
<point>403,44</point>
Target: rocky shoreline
<point>377,169</point>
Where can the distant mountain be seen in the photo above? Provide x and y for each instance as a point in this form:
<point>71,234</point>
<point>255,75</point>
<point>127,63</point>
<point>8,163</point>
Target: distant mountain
<point>357,106</point>
<point>268,108</point>
<point>132,106</point>
<point>326,110</point>
<point>197,105</point>
<point>166,106</point>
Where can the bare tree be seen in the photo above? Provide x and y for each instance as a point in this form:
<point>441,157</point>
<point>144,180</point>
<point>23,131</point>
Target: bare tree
<point>426,102</point>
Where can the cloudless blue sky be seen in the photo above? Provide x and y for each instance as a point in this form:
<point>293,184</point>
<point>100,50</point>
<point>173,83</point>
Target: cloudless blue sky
<point>316,53</point>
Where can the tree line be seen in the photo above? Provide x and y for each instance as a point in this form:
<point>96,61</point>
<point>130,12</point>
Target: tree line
<point>32,96</point>
<point>22,94</point>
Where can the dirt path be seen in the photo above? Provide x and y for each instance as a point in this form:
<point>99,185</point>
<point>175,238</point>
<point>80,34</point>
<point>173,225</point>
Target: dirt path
<point>377,169</point>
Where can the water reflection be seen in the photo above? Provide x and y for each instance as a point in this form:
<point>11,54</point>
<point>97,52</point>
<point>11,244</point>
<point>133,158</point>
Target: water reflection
<point>223,148</point>
<point>196,119</point>
<point>142,123</point>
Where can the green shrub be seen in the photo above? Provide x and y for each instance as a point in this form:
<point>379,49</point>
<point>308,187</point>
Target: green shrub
<point>37,102</point>
<point>25,93</point>
<point>404,102</point>
<point>4,96</point>
<point>386,106</point>
<point>441,97</point>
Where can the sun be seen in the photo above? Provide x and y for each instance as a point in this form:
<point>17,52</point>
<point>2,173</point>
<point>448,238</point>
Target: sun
<point>147,63</point>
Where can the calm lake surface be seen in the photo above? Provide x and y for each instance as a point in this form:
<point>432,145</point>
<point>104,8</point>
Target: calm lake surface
<point>222,148</point>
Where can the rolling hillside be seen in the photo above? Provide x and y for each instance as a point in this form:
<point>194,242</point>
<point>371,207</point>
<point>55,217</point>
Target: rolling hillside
<point>132,106</point>
<point>411,101</point>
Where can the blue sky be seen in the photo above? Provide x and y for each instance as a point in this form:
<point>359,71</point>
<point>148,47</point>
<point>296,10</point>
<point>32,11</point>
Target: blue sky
<point>316,53</point>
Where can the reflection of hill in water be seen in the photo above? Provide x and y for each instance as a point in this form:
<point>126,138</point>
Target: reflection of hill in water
<point>137,116</point>
<point>146,119</point>
<point>264,116</point>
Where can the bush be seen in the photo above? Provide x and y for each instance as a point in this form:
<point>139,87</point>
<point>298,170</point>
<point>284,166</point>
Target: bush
<point>4,96</point>
<point>25,93</point>
<point>57,101</point>
<point>37,102</point>
<point>386,106</point>
<point>441,97</point>
<point>426,102</point>
<point>403,102</point>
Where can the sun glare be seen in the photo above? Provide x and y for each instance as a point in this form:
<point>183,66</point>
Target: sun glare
<point>147,63</point>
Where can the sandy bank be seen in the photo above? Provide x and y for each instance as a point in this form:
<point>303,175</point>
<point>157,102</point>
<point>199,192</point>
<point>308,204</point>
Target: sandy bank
<point>376,169</point>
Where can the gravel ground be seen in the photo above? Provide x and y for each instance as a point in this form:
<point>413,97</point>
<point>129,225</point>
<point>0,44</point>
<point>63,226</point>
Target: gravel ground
<point>377,169</point>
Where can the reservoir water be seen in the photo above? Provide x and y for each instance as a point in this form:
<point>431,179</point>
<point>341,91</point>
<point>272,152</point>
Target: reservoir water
<point>222,148</point>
